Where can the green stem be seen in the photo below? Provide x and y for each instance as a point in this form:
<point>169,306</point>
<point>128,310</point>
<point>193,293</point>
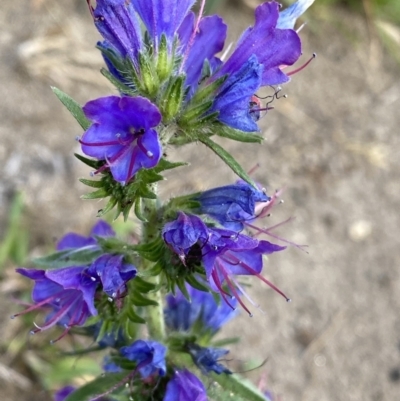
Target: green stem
<point>155,314</point>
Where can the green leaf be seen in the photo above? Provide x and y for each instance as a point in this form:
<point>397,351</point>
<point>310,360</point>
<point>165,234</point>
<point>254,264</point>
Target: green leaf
<point>139,300</point>
<point>73,107</point>
<point>142,285</point>
<point>236,135</point>
<point>228,159</point>
<point>138,210</point>
<point>89,162</point>
<point>91,183</point>
<point>118,84</point>
<point>68,257</point>
<point>99,386</point>
<point>239,386</point>
<point>99,194</point>
<point>133,316</point>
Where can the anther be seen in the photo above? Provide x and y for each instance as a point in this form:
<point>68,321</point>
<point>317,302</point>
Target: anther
<point>288,300</point>
<point>92,173</point>
<point>77,138</point>
<point>13,316</point>
<point>110,299</point>
<point>281,201</point>
<point>93,278</point>
<point>149,154</point>
<point>250,315</point>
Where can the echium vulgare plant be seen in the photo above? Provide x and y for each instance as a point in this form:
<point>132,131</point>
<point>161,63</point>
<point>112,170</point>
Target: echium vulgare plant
<point>157,302</point>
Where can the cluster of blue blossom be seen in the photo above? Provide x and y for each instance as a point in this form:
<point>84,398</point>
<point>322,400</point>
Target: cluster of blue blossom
<point>173,89</point>
<point>70,292</point>
<point>178,53</point>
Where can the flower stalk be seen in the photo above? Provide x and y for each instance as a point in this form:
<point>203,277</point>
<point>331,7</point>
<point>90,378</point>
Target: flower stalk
<point>150,229</point>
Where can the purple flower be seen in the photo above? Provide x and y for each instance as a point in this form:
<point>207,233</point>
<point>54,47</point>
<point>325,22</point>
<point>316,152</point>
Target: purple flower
<point>231,205</point>
<point>233,99</point>
<point>113,273</point>
<point>68,292</point>
<point>206,359</point>
<point>74,241</point>
<point>63,393</point>
<point>181,315</point>
<point>149,355</point>
<point>228,254</point>
<point>122,134</point>
<point>273,47</point>
<point>117,23</point>
<point>200,40</point>
<point>162,17</point>
<point>183,233</point>
<point>224,254</point>
<point>185,386</point>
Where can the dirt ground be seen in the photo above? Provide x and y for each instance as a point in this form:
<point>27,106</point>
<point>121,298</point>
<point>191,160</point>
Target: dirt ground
<point>333,144</point>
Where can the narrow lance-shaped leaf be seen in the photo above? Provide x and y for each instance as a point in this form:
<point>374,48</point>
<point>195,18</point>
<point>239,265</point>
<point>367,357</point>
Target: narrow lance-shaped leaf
<point>228,159</point>
<point>239,386</point>
<point>99,386</point>
<point>73,107</point>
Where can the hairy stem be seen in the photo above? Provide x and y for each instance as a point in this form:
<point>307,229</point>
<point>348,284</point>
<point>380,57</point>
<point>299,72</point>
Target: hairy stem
<point>155,314</point>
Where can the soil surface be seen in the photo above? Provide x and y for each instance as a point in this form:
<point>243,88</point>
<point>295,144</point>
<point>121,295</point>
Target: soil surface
<point>333,144</point>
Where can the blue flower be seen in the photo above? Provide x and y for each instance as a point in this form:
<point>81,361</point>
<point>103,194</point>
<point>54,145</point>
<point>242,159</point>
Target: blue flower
<point>224,255</point>
<point>185,386</point>
<point>113,273</point>
<point>206,358</point>
<point>75,241</point>
<point>228,254</point>
<point>181,315</point>
<point>231,205</point>
<point>273,47</point>
<point>183,233</point>
<point>149,355</point>
<point>68,293</point>
<point>122,135</point>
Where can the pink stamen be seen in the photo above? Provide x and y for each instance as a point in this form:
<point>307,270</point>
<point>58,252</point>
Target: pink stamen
<point>223,293</point>
<point>254,273</point>
<point>110,143</point>
<point>267,231</point>
<point>91,9</point>
<point>233,289</point>
<point>37,305</point>
<point>303,66</point>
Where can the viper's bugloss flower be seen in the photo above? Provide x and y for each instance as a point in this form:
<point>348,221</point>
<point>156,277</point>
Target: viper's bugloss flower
<point>113,273</point>
<point>272,47</point>
<point>231,205</point>
<point>224,254</point>
<point>67,292</point>
<point>122,134</point>
<point>206,358</point>
<point>192,42</point>
<point>181,315</point>
<point>75,241</point>
<point>228,254</point>
<point>184,232</point>
<point>149,355</point>
<point>185,386</point>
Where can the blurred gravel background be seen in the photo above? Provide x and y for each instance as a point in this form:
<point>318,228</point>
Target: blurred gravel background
<point>333,144</point>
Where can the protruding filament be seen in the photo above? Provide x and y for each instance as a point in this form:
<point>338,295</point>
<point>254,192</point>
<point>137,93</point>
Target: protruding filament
<point>303,66</point>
